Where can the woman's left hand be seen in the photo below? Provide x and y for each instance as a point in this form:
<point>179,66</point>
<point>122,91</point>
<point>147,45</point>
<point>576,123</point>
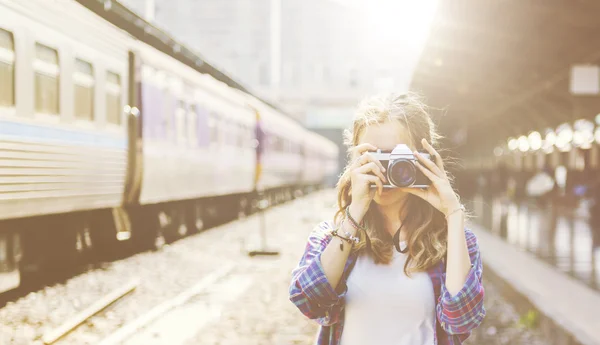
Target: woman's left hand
<point>440,194</point>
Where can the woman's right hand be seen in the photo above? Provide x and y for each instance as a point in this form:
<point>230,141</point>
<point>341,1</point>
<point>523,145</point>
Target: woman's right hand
<point>365,170</point>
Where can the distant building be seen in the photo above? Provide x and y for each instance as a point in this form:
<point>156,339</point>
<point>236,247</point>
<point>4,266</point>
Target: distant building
<point>318,69</point>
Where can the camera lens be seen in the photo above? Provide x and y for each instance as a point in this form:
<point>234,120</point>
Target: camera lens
<point>402,173</point>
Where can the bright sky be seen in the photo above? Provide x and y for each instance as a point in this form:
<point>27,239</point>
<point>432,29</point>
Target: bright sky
<point>406,21</point>
<point>399,30</point>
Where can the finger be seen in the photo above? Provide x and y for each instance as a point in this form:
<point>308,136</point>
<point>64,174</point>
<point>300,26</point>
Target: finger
<point>433,152</point>
<point>361,156</point>
<point>377,182</point>
<point>367,157</point>
<point>364,147</point>
<point>428,164</point>
<point>433,177</point>
<point>371,167</point>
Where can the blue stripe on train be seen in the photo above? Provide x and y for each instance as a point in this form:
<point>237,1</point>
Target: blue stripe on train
<point>60,136</point>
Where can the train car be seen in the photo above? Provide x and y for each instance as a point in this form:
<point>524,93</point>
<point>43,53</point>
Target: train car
<point>282,157</point>
<point>109,141</point>
<point>197,142</point>
<point>63,143</point>
<point>320,159</point>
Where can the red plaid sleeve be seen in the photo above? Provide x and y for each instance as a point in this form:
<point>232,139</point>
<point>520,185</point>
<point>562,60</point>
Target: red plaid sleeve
<point>310,290</point>
<point>462,313</point>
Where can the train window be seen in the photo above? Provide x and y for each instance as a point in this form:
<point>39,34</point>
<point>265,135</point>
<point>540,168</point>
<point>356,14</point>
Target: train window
<point>229,129</point>
<point>47,74</point>
<point>192,124</point>
<point>251,135</point>
<point>7,69</point>
<point>234,133</point>
<point>230,133</point>
<point>113,98</point>
<point>214,128</point>
<point>223,129</point>
<point>248,136</point>
<point>180,118</point>
<point>242,135</point>
<point>84,81</point>
<point>268,141</point>
<point>168,115</point>
<point>272,142</point>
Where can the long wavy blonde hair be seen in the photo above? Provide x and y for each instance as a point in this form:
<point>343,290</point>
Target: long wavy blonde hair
<point>425,226</point>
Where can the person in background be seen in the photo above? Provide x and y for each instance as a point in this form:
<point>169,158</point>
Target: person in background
<point>594,211</point>
<point>259,143</point>
<point>394,265</point>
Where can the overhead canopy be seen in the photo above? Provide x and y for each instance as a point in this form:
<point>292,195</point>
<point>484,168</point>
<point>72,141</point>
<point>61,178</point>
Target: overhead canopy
<point>502,68</point>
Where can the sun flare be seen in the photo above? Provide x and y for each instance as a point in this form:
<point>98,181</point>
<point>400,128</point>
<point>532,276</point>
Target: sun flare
<point>401,22</point>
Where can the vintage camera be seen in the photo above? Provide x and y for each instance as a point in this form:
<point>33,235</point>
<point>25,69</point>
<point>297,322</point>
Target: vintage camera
<point>401,169</point>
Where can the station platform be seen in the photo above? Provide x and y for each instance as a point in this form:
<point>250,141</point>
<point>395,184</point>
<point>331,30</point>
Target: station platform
<point>558,235</point>
<point>564,308</point>
<point>546,261</point>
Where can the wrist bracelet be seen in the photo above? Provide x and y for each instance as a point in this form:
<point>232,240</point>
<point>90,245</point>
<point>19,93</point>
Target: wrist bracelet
<point>358,228</point>
<point>353,222</point>
<point>460,208</point>
<point>349,238</point>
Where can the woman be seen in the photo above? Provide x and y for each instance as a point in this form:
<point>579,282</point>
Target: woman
<point>396,266</point>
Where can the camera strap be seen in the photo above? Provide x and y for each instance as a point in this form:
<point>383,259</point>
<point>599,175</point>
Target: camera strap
<point>396,241</point>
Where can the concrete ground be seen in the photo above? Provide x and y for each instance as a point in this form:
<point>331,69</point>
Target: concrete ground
<point>264,315</point>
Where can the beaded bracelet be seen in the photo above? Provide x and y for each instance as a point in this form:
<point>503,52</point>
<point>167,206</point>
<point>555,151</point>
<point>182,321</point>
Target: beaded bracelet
<point>349,238</point>
<point>353,222</point>
<point>358,228</point>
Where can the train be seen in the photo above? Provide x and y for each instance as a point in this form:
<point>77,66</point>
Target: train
<point>113,135</point>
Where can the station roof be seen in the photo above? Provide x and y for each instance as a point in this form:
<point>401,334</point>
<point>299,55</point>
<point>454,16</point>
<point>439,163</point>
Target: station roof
<point>502,68</point>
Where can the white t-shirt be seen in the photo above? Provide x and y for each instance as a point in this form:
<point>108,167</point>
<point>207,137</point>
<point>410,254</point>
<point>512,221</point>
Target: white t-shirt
<point>385,307</point>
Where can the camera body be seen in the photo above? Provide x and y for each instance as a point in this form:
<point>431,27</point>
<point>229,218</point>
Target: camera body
<point>401,170</point>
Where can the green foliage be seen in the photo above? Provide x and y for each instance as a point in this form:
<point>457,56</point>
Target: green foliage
<point>530,319</point>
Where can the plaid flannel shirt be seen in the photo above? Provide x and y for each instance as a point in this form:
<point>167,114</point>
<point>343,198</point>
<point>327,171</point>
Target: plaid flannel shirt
<point>311,292</point>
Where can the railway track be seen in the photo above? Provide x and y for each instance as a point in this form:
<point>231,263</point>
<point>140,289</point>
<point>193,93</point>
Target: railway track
<point>185,286</point>
<point>139,332</point>
<point>69,325</point>
<point>156,324</point>
<point>92,262</point>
